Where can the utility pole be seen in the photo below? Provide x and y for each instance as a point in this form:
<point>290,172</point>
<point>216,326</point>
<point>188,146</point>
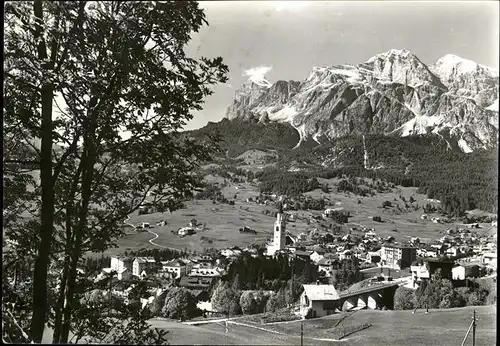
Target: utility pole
<point>301,333</point>
<point>474,329</point>
<point>291,288</point>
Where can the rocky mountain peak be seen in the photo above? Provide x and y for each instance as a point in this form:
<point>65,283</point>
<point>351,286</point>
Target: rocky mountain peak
<point>391,93</point>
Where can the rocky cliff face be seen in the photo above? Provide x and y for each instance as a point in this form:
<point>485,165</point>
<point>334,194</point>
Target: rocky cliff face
<point>393,93</point>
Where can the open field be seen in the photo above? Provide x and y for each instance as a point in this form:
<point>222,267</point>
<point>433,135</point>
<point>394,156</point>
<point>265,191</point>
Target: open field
<point>407,224</point>
<point>405,328</point>
<point>223,221</point>
<point>214,334</point>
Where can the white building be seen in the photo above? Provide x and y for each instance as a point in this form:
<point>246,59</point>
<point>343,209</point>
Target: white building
<point>177,267</point>
<point>318,299</point>
<point>120,263</point>
<point>463,271</point>
<point>140,264</point>
<point>490,259</point>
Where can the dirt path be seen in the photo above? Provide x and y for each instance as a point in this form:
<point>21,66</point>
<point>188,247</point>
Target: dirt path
<point>151,241</point>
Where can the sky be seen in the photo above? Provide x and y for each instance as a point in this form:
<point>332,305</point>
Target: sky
<point>283,40</point>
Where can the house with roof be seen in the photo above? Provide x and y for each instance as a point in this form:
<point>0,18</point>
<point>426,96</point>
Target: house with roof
<point>428,266</point>
<point>184,231</point>
<point>206,271</point>
<point>317,255</point>
<point>176,267</point>
<point>452,251</point>
<point>464,270</point>
<point>490,259</point>
<point>305,255</point>
<point>141,265</point>
<point>121,262</point>
<point>397,256</point>
<point>326,265</point>
<point>373,257</point>
<point>316,300</point>
<point>346,254</point>
<point>197,283</point>
<point>124,274</point>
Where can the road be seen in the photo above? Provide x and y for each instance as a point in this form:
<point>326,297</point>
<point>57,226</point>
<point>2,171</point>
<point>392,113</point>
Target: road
<point>151,241</point>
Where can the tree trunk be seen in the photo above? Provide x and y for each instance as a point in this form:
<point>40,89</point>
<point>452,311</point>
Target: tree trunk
<point>60,302</point>
<point>88,162</point>
<point>47,210</point>
<point>69,234</point>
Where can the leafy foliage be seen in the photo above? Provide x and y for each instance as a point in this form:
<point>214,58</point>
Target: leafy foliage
<point>347,274</point>
<point>180,303</point>
<point>225,299</point>
<point>404,298</point>
<point>111,67</point>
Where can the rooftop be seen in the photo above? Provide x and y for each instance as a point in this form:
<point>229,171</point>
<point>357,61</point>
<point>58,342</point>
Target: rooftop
<point>321,292</point>
<point>174,263</point>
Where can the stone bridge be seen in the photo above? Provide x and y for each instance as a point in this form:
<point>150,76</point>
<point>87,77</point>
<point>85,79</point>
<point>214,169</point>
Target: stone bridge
<point>375,296</point>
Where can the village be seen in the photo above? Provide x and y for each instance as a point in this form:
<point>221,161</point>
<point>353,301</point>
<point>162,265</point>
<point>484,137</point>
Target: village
<point>463,254</point>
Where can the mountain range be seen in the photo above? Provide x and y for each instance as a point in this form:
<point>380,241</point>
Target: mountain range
<point>392,93</point>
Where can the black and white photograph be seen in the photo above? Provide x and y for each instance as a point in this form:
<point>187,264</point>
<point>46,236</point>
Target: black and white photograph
<point>250,172</point>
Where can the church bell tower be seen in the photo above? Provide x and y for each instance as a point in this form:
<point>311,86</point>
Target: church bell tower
<point>279,231</point>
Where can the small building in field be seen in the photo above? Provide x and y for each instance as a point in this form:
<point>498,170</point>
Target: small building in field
<point>316,300</point>
<point>185,231</point>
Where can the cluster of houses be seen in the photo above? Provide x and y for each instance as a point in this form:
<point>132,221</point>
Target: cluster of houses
<point>371,249</point>
<point>199,273</point>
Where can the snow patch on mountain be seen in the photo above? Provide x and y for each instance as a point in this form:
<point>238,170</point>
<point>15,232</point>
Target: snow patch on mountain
<point>493,107</point>
<point>464,146</point>
<point>419,125</point>
<point>451,66</point>
<point>403,53</point>
<point>285,114</point>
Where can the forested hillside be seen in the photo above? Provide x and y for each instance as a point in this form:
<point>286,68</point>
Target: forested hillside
<point>461,181</point>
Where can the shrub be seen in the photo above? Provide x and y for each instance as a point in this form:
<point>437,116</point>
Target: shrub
<point>404,299</point>
<point>226,299</point>
<point>248,303</point>
<point>179,303</point>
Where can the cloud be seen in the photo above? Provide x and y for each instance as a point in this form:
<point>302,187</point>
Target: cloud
<point>256,75</point>
<point>257,72</point>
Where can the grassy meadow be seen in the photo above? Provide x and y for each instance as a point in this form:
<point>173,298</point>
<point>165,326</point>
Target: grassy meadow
<point>223,221</point>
